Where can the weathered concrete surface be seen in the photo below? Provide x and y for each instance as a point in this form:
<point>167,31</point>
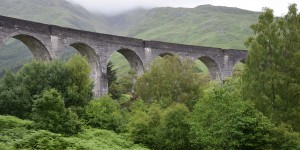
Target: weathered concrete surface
<point>48,42</point>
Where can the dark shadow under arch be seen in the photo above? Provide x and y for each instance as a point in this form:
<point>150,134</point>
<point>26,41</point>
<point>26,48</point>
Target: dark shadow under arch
<point>212,66</point>
<point>166,54</point>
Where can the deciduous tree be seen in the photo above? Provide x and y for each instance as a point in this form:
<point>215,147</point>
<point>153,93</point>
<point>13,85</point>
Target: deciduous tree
<point>272,71</point>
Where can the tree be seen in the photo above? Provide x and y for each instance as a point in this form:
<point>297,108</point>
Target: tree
<point>104,113</point>
<point>222,120</point>
<point>159,128</point>
<point>71,79</point>
<point>271,78</point>
<point>79,90</point>
<point>169,80</point>
<point>15,98</point>
<point>174,128</point>
<point>112,82</point>
<point>49,113</point>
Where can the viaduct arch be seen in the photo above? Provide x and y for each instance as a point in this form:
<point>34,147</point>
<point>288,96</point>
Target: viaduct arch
<point>48,42</point>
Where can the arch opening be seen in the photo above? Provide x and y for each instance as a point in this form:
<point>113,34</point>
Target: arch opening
<point>90,54</point>
<point>18,49</point>
<point>123,68</point>
<point>212,67</point>
<point>238,68</point>
<point>38,50</point>
<point>134,60</point>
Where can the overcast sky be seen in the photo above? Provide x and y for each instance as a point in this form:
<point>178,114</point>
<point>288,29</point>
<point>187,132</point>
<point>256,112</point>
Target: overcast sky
<point>111,7</point>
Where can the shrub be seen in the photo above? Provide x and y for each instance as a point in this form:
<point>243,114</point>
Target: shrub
<point>174,128</point>
<point>49,113</point>
<point>221,120</point>
<point>104,113</point>
<point>43,140</point>
<point>159,128</point>
<point>15,98</point>
<point>143,124</point>
<point>13,129</point>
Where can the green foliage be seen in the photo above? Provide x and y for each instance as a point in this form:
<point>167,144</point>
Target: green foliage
<point>18,134</point>
<point>121,85</point>
<point>169,80</point>
<point>159,128</point>
<point>286,138</point>
<point>71,79</point>
<point>43,140</point>
<point>49,113</point>
<point>125,83</point>
<point>221,120</point>
<point>13,129</point>
<point>104,113</point>
<point>15,98</point>
<point>143,124</point>
<point>79,90</point>
<point>174,128</point>
<point>271,78</point>
<point>7,122</point>
<point>95,139</point>
<point>112,82</point>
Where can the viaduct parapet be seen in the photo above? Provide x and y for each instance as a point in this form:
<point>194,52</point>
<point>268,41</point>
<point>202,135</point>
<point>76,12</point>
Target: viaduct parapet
<point>48,42</point>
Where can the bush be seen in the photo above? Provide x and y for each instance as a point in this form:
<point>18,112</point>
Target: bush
<point>221,120</point>
<point>159,128</point>
<point>9,122</point>
<point>49,113</point>
<point>104,113</point>
<point>12,129</point>
<point>95,139</point>
<point>17,134</point>
<point>15,98</point>
<point>174,129</point>
<point>143,124</point>
<point>286,138</point>
<point>43,140</point>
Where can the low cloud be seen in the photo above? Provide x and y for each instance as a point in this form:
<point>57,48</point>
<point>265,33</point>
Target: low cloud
<point>113,7</point>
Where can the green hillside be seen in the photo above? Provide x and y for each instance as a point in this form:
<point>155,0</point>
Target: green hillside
<point>57,12</point>
<point>205,25</point>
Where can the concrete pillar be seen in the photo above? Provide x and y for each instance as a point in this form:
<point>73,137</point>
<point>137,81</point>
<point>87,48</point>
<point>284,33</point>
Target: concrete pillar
<point>103,84</point>
<point>96,77</point>
<point>57,47</point>
<point>227,67</point>
<point>148,58</point>
<point>1,44</point>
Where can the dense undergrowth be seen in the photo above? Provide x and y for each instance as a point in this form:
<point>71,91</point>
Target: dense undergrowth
<point>20,134</point>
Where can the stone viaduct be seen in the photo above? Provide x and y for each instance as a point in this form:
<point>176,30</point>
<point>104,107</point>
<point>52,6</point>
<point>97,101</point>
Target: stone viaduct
<point>48,42</point>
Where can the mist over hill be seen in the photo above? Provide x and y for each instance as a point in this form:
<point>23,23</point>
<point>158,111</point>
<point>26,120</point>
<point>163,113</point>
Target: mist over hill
<point>204,25</point>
